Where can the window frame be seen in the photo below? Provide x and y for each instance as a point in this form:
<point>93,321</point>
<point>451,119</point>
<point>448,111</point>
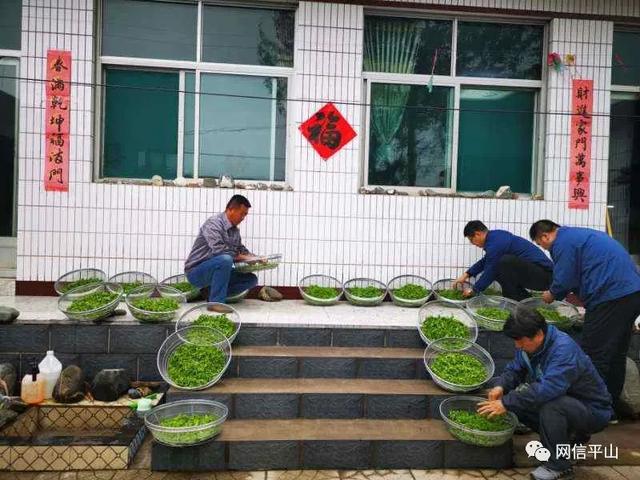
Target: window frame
<point>617,88</point>
<point>459,82</point>
<point>12,57</point>
<point>197,67</point>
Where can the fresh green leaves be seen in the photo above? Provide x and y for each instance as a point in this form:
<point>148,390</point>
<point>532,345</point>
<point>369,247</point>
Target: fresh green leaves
<point>365,292</point>
<point>128,287</point>
<point>184,421</point>
<point>554,317</point>
<point>156,304</point>
<point>451,294</point>
<point>493,313</point>
<point>193,365</point>
<point>411,291</point>
<point>68,286</point>
<point>440,326</point>
<point>184,287</point>
<point>219,322</point>
<point>92,301</point>
<point>459,368</point>
<point>255,267</point>
<point>476,421</point>
<point>316,291</point>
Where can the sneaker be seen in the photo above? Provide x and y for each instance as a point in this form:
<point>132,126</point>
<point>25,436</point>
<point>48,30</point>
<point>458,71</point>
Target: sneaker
<point>614,420</point>
<point>545,473</point>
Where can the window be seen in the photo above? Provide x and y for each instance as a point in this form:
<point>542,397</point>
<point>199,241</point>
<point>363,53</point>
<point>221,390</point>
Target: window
<point>468,126</point>
<point>8,144</point>
<point>625,65</point>
<point>10,24</point>
<point>172,110</point>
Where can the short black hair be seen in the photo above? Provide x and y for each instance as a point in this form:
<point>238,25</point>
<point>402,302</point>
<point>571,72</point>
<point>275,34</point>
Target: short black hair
<point>542,226</point>
<point>524,322</point>
<point>237,201</point>
<point>474,226</point>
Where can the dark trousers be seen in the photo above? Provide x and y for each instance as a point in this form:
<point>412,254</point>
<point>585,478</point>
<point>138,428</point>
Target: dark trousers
<point>516,275</point>
<point>561,421</point>
<point>218,274</point>
<point>606,336</point>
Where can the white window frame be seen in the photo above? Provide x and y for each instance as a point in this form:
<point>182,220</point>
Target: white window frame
<point>457,83</point>
<point>197,67</point>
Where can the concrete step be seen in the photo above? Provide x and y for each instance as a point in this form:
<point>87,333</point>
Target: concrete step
<point>322,398</point>
<point>330,444</point>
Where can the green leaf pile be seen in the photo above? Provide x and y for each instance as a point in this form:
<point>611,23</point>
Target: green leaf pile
<point>411,291</point>
<point>553,316</point>
<point>365,292</point>
<point>184,287</point>
<point>219,322</point>
<point>193,365</point>
<point>316,291</point>
<point>451,294</point>
<point>68,286</point>
<point>156,304</point>
<point>459,368</point>
<point>185,421</point>
<point>440,326</point>
<point>128,287</point>
<point>494,313</point>
<point>475,421</point>
<point>92,301</point>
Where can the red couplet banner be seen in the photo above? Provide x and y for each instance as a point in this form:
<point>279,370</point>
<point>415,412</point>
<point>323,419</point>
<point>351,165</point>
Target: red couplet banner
<point>58,116</point>
<point>580,147</point>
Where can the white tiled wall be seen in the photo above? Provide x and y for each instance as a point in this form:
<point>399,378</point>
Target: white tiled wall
<point>324,226</point>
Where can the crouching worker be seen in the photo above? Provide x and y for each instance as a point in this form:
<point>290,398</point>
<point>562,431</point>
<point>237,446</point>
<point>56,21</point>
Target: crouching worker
<point>552,387</point>
<point>217,246</point>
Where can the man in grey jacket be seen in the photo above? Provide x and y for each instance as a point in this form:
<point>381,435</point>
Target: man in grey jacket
<point>217,246</point>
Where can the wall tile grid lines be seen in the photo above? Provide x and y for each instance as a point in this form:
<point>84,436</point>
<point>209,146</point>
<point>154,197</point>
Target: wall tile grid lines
<point>322,227</point>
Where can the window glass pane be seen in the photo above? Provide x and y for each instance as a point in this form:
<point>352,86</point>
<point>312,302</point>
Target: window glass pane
<point>133,28</point>
<point>409,135</point>
<point>189,123</point>
<point>8,95</point>
<point>247,36</point>
<point>624,170</point>
<point>625,61</point>
<point>402,45</point>
<point>499,50</point>
<point>10,24</point>
<point>242,137</point>
<point>495,139</point>
<point>141,124</point>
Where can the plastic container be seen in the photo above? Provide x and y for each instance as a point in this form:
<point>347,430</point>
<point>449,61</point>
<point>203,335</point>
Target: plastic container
<point>147,315</point>
<point>446,309</point>
<point>190,317</point>
<point>272,261</point>
<point>402,280</point>
<point>237,297</point>
<point>91,293</point>
<point>32,386</point>
<point>321,281</point>
<point>180,282</point>
<point>447,284</point>
<point>193,336</point>
<point>50,368</point>
<point>490,301</point>
<point>362,283</point>
<point>472,436</point>
<point>77,278</point>
<point>132,280</point>
<point>186,436</point>
<point>449,345</point>
<point>569,312</point>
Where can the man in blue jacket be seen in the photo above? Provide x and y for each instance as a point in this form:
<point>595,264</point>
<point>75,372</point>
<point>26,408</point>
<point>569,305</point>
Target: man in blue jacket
<point>600,271</point>
<point>552,387</point>
<point>515,263</point>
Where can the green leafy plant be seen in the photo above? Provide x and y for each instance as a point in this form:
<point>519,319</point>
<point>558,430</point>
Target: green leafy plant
<point>128,287</point>
<point>255,267</point>
<point>493,313</point>
<point>154,309</point>
<point>183,421</point>
<point>459,368</point>
<point>440,326</point>
<point>411,291</point>
<point>90,303</point>
<point>554,317</point>
<point>475,421</point>
<point>195,364</point>
<point>184,287</point>
<point>325,293</point>
<point>68,286</point>
<point>366,292</point>
<point>219,322</point>
<point>452,294</point>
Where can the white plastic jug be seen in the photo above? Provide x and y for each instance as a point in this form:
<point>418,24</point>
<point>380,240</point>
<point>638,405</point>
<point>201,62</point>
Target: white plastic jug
<point>50,368</point>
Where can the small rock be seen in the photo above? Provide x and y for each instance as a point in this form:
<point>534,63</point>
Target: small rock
<point>379,191</point>
<point>487,194</point>
<point>8,376</point>
<point>8,314</point>
<point>110,384</point>
<point>156,180</point>
<point>366,190</point>
<point>180,181</point>
<point>7,416</point>
<point>402,193</point>
<point>391,191</point>
<point>504,192</point>
<point>262,186</point>
<point>70,386</point>
<point>241,185</point>
<point>288,188</point>
<point>250,186</point>
<point>226,181</point>
<point>269,294</point>
<point>210,182</point>
<point>277,186</point>
<point>537,196</point>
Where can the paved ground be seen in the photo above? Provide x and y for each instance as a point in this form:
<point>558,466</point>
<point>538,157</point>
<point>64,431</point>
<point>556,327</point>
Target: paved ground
<point>582,473</point>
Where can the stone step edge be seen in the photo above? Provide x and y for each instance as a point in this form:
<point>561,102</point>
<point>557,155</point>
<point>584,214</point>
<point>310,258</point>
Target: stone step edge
<point>327,352</point>
<point>231,386</point>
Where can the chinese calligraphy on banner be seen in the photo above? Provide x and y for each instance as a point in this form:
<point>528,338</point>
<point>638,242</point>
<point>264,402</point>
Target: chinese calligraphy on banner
<point>580,148</point>
<point>58,115</point>
<point>327,131</point>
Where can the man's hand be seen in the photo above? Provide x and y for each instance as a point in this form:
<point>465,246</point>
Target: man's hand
<point>547,296</point>
<point>495,393</point>
<point>491,408</point>
<point>461,279</point>
<point>246,257</point>
<point>467,292</point>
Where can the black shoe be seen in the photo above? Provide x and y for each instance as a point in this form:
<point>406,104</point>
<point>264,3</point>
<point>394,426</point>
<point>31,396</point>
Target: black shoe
<point>614,420</point>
